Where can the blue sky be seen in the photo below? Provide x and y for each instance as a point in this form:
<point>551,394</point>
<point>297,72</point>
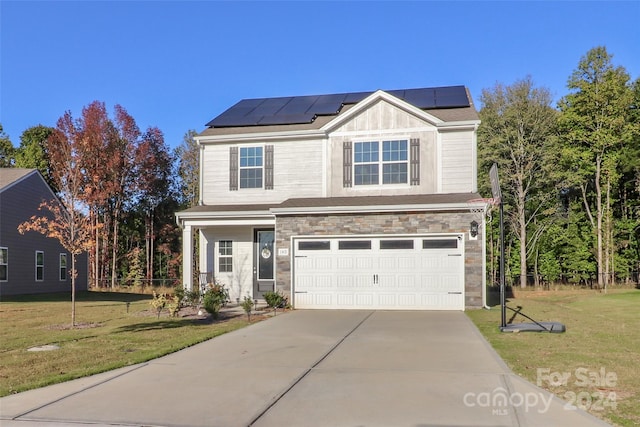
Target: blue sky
<point>176,65</point>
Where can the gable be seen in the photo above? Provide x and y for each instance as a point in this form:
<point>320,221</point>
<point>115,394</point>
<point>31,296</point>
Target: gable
<point>381,116</point>
<point>12,176</point>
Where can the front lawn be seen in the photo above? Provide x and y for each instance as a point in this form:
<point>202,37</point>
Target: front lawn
<point>595,365</point>
<point>114,330</point>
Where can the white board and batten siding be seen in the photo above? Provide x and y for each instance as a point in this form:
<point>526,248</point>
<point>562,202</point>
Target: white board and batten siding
<point>387,273</point>
<point>298,170</point>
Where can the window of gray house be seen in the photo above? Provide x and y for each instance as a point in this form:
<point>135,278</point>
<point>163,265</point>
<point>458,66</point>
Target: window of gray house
<point>251,166</point>
<point>369,165</point>
<point>63,266</point>
<point>39,266</point>
<point>4,264</point>
<point>225,256</point>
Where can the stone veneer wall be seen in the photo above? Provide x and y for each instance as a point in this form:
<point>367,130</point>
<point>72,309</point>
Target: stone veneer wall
<point>383,223</point>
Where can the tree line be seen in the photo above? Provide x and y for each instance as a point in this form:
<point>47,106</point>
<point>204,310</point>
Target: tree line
<point>124,183</point>
<point>570,176</point>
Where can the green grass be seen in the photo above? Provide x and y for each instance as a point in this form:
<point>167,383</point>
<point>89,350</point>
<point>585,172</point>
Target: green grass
<point>108,336</point>
<point>603,333</point>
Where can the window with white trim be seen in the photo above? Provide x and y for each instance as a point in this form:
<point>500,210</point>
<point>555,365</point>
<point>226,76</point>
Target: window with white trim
<point>251,163</point>
<point>39,266</point>
<point>251,167</point>
<point>4,264</point>
<point>225,256</point>
<point>63,267</point>
<point>381,162</point>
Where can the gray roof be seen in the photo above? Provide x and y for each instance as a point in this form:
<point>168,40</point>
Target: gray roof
<point>401,200</point>
<point>324,203</point>
<point>447,114</point>
<point>9,176</point>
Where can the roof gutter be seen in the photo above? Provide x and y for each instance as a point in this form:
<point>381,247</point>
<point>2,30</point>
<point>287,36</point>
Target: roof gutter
<point>262,136</point>
<point>369,209</point>
<point>459,125</point>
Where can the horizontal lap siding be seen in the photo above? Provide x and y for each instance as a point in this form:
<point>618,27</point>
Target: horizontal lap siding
<point>457,162</point>
<point>298,172</point>
<point>239,282</point>
<point>18,204</point>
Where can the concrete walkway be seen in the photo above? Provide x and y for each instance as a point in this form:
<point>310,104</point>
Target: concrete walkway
<point>310,368</point>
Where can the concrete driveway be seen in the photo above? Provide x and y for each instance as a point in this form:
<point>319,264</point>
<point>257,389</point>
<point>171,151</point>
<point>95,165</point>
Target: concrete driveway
<point>310,368</point>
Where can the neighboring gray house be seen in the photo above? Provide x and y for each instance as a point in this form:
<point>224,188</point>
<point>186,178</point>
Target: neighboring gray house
<point>344,201</point>
<point>31,263</point>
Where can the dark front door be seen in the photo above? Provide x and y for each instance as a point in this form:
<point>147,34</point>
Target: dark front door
<point>263,267</point>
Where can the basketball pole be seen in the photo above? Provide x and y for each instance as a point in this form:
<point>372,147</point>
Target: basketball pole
<point>503,303</point>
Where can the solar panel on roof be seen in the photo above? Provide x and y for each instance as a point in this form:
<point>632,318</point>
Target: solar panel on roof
<point>299,105</point>
<point>451,97</point>
<point>303,109</point>
<point>287,119</point>
<point>421,98</point>
<point>270,106</point>
<point>328,104</point>
<point>355,97</point>
<point>229,121</point>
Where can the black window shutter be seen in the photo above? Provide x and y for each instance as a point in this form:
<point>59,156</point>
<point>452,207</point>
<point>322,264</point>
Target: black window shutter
<point>346,164</point>
<point>233,168</point>
<point>414,163</point>
<point>268,167</point>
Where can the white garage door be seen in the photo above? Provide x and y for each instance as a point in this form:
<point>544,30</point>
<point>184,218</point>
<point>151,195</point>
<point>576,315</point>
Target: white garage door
<point>401,273</point>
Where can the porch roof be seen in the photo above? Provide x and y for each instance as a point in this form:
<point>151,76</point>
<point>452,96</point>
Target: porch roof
<point>433,202</point>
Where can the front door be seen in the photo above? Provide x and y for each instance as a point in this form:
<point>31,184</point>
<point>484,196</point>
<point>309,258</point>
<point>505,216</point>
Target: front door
<point>263,267</point>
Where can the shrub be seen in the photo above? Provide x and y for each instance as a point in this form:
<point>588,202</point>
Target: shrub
<point>214,298</point>
<point>180,292</point>
<point>275,300</point>
<point>192,297</point>
<point>247,305</point>
<point>158,302</point>
<point>174,304</point>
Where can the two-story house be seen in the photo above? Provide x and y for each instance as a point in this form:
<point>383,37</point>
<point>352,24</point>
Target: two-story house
<point>354,200</point>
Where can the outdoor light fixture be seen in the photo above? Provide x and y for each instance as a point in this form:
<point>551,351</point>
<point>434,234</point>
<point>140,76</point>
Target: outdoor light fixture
<point>473,228</point>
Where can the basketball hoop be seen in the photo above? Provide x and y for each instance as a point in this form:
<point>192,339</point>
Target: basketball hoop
<point>482,206</point>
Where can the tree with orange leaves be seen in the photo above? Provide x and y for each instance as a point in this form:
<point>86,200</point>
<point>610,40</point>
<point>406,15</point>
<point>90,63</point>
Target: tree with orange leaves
<point>64,218</point>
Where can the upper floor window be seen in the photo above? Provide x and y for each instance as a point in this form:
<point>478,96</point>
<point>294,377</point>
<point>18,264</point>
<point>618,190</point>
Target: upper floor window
<point>39,266</point>
<point>393,161</point>
<point>251,167</point>
<point>369,165</point>
<point>4,264</point>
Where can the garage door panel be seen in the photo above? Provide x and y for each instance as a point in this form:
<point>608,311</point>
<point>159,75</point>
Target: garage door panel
<point>386,300</point>
<point>314,300</point>
<point>364,300</point>
<point>345,263</point>
<point>364,263</point>
<point>346,300</point>
<point>407,300</point>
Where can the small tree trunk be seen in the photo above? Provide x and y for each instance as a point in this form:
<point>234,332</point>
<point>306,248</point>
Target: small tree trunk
<point>73,290</point>
<point>599,215</point>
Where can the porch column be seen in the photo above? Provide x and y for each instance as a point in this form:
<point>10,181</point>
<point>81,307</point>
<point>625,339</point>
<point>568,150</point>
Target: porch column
<point>187,257</point>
